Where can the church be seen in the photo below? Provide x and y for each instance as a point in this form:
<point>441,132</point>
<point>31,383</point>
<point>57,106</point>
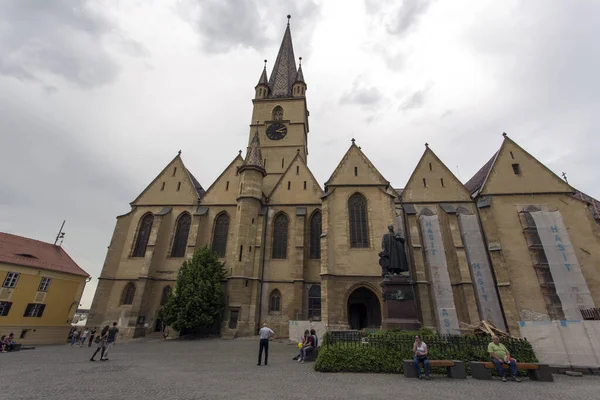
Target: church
<point>515,243</point>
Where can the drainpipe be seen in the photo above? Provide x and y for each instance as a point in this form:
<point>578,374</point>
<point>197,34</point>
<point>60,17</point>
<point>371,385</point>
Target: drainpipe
<point>262,262</point>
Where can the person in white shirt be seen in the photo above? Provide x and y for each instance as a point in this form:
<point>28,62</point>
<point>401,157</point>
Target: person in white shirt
<point>265,333</point>
<point>84,336</point>
<point>420,352</point>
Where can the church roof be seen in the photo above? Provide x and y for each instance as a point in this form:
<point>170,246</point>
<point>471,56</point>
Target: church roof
<point>263,77</point>
<point>300,76</point>
<point>254,156</point>
<point>284,71</point>
<point>199,189</point>
<point>477,181</point>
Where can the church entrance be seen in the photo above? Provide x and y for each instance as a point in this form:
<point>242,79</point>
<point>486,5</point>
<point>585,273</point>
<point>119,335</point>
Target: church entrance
<point>364,310</point>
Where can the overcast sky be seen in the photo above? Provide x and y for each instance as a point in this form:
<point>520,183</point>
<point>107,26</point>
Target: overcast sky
<point>96,97</point>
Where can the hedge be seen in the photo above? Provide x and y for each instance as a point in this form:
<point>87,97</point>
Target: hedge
<point>384,352</point>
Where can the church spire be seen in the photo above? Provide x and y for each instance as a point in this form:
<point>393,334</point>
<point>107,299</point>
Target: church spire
<point>300,75</point>
<point>284,71</point>
<point>263,77</point>
<point>254,158</point>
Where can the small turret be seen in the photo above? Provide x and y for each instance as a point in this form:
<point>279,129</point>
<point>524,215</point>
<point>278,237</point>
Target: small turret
<point>299,86</point>
<point>262,88</point>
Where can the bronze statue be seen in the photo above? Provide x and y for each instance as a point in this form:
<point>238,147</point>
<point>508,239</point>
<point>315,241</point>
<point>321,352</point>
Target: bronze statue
<point>393,257</point>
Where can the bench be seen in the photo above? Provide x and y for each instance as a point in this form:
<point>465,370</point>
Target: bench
<point>312,355</point>
<point>535,371</point>
<point>454,369</point>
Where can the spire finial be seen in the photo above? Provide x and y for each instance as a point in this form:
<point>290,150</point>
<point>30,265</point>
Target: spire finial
<point>564,175</point>
<point>300,58</point>
<point>427,145</point>
<point>353,140</point>
<point>504,134</point>
<point>288,17</point>
<point>179,153</point>
<point>265,64</point>
<point>240,152</point>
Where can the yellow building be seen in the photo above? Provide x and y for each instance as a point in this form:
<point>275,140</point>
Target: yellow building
<point>296,250</point>
<point>41,289</point>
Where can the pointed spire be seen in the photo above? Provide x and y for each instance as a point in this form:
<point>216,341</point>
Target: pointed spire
<point>284,71</point>
<point>254,158</point>
<point>263,77</point>
<point>300,75</point>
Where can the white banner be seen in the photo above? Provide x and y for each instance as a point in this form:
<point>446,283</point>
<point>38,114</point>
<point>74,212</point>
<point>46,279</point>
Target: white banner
<point>569,282</point>
<point>438,270</point>
<point>481,273</point>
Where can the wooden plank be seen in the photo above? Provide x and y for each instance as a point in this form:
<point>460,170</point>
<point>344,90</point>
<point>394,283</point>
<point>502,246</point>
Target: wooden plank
<point>441,363</point>
<point>491,365</point>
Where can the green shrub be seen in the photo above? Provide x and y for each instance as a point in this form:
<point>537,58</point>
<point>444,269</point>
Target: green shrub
<point>385,351</point>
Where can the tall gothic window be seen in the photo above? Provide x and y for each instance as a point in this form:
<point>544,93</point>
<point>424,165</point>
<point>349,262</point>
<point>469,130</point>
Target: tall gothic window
<point>128,294</point>
<point>315,235</point>
<point>275,301</point>
<point>166,293</point>
<point>314,302</point>
<point>220,233</point>
<point>181,235</point>
<point>277,113</point>
<point>359,230</point>
<point>143,235</point>
<point>280,236</point>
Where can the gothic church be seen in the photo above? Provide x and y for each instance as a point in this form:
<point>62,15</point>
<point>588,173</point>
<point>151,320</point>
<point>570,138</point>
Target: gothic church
<point>296,250</point>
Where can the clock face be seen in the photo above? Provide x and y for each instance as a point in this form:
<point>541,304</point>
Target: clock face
<point>276,131</point>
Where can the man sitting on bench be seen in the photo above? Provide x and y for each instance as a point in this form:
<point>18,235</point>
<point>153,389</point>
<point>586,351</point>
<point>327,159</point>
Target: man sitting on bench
<point>500,356</point>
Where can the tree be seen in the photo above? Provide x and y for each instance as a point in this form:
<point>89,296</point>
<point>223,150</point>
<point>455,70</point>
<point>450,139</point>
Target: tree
<point>199,298</point>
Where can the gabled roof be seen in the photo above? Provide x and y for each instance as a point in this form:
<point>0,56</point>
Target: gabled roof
<point>477,181</point>
<point>284,71</point>
<point>20,250</point>
<point>354,147</point>
<point>237,158</point>
<point>199,190</point>
<point>593,203</point>
<point>281,179</point>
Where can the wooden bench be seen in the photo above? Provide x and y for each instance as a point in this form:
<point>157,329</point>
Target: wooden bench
<point>535,371</point>
<point>454,369</point>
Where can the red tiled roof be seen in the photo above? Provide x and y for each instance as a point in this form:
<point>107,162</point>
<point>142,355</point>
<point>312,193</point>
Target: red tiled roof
<point>33,253</point>
<point>477,181</point>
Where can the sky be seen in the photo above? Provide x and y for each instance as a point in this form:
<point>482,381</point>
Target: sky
<point>96,97</point>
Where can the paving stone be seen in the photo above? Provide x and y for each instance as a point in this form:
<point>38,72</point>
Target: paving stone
<point>226,369</point>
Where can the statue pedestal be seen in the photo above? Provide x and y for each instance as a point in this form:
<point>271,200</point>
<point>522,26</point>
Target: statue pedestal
<point>399,303</point>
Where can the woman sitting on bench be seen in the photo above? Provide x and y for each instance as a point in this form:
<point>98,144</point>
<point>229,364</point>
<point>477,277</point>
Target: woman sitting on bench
<point>420,351</point>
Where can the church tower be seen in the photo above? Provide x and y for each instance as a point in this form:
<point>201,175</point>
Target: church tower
<point>280,113</point>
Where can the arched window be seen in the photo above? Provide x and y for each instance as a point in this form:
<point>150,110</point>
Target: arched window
<point>462,210</point>
<point>315,235</point>
<point>314,302</point>
<point>181,235</point>
<point>280,236</point>
<point>143,235</point>
<point>220,234</point>
<point>128,293</point>
<point>275,301</point>
<point>166,293</point>
<point>359,229</point>
<point>277,113</point>
<point>427,212</point>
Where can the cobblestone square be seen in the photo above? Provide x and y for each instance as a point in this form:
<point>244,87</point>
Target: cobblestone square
<point>226,369</point>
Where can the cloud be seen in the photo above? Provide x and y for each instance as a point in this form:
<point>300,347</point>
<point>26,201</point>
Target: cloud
<point>407,15</point>
<point>416,99</point>
<point>362,95</point>
<point>61,38</point>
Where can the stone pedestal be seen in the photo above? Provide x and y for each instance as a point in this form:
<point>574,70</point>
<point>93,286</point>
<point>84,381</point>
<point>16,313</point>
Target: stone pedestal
<point>399,303</point>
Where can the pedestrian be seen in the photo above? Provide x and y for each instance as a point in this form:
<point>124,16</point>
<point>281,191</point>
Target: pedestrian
<point>74,337</point>
<point>265,333</point>
<point>111,338</point>
<point>420,352</point>
<point>92,334</point>
<point>84,336</point>
<point>101,341</point>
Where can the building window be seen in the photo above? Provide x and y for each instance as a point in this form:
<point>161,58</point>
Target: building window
<point>315,235</point>
<point>355,171</point>
<point>424,182</point>
<point>359,231</point>
<point>275,301</point>
<point>314,303</point>
<point>304,185</point>
<point>516,169</point>
<point>297,170</point>
<point>220,233</point>
<point>34,310</point>
<point>430,167</point>
<point>227,185</point>
<point>4,308</point>
<point>174,171</point>
<point>163,186</point>
<point>181,235</point>
<point>178,186</point>
<point>442,180</point>
<point>128,294</point>
<point>44,284</point>
<point>280,236</point>
<point>11,280</point>
<point>512,155</point>
<point>278,113</point>
<point>289,185</point>
<point>233,318</point>
<point>143,236</point>
<point>166,293</point>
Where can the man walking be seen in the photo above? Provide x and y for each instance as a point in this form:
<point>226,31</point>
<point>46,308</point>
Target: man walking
<point>265,333</point>
<point>92,334</point>
<point>500,356</point>
<point>111,338</point>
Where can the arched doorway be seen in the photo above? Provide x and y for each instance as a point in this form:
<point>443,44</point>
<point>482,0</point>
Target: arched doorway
<point>364,310</point>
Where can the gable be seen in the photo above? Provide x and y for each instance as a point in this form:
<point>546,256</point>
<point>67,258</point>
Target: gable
<point>225,189</point>
<point>432,181</point>
<point>296,186</point>
<point>532,176</point>
<point>173,186</point>
<point>356,169</point>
